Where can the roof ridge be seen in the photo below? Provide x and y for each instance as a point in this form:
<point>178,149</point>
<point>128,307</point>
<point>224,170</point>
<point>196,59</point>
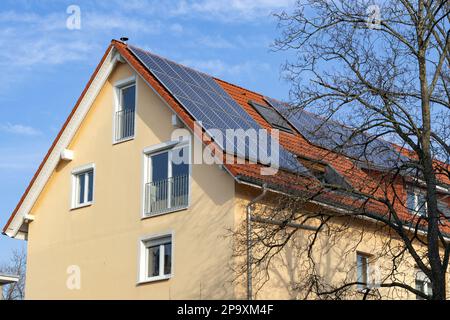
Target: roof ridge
<point>212,76</point>
<point>240,87</point>
<point>170,60</point>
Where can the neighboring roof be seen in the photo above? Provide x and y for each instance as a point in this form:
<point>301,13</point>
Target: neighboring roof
<point>8,278</point>
<point>294,142</point>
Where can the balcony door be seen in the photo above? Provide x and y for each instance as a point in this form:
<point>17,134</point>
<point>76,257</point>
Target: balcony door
<point>167,185</point>
<point>125,114</point>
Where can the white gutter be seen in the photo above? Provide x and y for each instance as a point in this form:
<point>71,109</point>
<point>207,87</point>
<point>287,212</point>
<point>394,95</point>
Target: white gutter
<point>7,279</point>
<point>331,207</point>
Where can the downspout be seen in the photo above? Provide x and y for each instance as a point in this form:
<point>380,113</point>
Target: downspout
<point>250,242</point>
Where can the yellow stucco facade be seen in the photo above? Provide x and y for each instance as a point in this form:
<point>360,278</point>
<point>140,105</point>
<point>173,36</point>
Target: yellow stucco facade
<point>103,240</point>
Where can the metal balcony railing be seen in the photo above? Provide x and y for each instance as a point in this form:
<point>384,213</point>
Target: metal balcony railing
<point>166,195</point>
<point>124,124</point>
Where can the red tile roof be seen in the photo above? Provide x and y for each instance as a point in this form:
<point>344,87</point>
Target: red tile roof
<point>362,180</point>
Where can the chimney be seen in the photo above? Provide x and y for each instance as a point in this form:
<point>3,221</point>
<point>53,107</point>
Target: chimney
<point>124,40</point>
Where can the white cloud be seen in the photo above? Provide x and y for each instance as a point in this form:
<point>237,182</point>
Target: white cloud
<point>217,67</point>
<point>176,28</point>
<point>19,129</point>
<point>215,42</point>
<point>14,159</point>
<point>99,22</point>
<point>231,10</point>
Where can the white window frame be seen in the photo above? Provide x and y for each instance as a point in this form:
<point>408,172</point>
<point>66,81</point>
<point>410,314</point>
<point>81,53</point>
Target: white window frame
<point>118,87</point>
<point>368,270</point>
<point>149,241</point>
<point>421,276</point>
<point>416,209</point>
<point>74,176</point>
<point>146,177</point>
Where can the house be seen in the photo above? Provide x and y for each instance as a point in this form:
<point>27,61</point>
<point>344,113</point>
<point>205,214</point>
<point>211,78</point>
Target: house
<point>109,214</point>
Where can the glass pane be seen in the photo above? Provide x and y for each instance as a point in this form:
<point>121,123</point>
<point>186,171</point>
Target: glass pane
<point>444,208</point>
<point>128,98</point>
<point>362,270</point>
<point>410,201</point>
<point>168,258</point>
<point>272,116</point>
<point>81,188</point>
<point>160,167</point>
<point>180,162</point>
<point>153,261</point>
<point>90,176</point>
<point>421,205</point>
<point>429,289</point>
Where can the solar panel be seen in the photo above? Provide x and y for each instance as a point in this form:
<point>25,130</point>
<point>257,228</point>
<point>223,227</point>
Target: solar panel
<point>272,116</point>
<point>334,136</point>
<point>209,103</point>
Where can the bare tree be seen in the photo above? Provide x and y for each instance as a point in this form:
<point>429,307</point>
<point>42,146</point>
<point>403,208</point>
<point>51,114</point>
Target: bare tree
<point>16,266</point>
<point>383,69</point>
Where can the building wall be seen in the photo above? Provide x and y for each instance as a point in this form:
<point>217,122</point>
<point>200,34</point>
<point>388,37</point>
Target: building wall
<point>334,254</point>
<point>103,239</point>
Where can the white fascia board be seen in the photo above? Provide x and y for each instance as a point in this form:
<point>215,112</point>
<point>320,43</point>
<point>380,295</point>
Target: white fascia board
<point>62,143</point>
<point>6,279</point>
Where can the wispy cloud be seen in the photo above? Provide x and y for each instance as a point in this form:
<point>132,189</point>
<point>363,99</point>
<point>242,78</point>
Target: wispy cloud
<point>18,160</point>
<point>215,42</point>
<point>232,10</point>
<point>19,129</point>
<point>217,67</point>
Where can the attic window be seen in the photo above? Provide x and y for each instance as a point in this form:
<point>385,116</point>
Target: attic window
<point>325,173</point>
<point>272,116</point>
<point>318,169</point>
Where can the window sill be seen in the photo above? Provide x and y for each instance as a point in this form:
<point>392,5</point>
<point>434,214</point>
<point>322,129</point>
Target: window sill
<point>84,205</point>
<point>147,216</point>
<point>155,279</point>
<point>123,140</point>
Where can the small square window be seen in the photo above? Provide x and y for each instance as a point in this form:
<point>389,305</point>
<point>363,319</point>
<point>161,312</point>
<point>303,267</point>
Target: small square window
<point>83,187</point>
<point>156,258</point>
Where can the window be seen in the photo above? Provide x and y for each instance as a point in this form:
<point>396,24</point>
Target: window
<point>423,284</point>
<point>272,116</point>
<point>444,209</point>
<point>362,265</point>
<point>156,258</point>
<point>124,120</point>
<point>166,179</point>
<point>83,186</point>
<point>416,202</point>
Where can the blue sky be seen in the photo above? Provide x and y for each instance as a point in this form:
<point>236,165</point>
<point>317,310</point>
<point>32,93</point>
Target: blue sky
<point>45,66</point>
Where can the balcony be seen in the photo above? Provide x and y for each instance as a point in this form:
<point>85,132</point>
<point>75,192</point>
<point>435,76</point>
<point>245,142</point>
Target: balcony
<point>166,195</point>
<point>124,124</point>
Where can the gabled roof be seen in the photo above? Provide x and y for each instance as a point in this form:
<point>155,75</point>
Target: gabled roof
<point>294,142</point>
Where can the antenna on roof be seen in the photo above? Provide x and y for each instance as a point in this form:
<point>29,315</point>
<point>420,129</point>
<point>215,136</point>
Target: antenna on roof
<point>124,40</point>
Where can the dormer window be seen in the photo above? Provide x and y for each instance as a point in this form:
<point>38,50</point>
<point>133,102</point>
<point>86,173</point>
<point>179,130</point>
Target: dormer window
<point>416,202</point>
<point>272,116</point>
<point>124,119</point>
<point>325,173</point>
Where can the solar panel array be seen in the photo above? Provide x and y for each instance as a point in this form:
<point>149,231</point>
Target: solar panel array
<point>208,102</point>
<point>334,136</point>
